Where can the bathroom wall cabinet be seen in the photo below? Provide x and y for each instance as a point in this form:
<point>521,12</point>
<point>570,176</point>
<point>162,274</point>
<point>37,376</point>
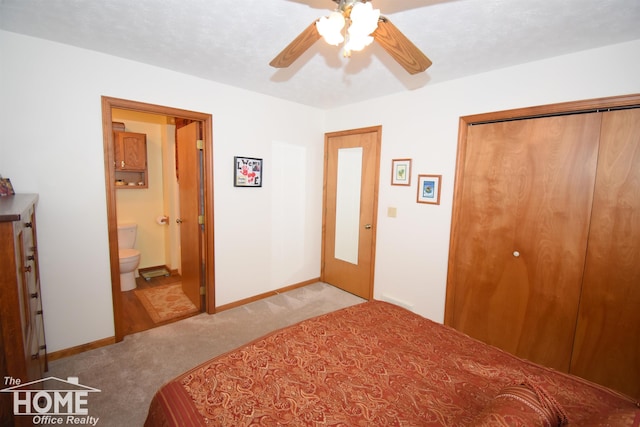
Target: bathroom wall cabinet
<point>130,159</point>
<point>23,352</point>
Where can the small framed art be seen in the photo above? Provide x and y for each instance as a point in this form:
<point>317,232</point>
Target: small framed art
<point>401,172</point>
<point>429,189</point>
<point>6,189</point>
<point>247,172</point>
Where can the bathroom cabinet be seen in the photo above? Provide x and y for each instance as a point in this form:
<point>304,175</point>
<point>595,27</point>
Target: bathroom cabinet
<point>130,159</point>
<point>24,352</point>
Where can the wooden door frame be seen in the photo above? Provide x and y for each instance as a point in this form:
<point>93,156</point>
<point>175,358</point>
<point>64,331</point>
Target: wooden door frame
<point>574,107</point>
<point>108,104</point>
<point>378,130</point>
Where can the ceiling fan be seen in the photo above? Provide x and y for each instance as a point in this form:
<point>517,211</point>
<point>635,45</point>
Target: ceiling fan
<point>356,23</point>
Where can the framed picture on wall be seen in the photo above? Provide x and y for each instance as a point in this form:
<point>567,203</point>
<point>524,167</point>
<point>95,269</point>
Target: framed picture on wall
<point>429,189</point>
<point>247,172</point>
<point>6,189</point>
<point>401,172</point>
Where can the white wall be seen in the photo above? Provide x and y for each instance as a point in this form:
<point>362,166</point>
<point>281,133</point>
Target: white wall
<point>51,144</point>
<point>412,249</point>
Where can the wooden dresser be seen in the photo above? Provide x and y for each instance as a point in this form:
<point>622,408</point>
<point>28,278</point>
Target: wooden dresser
<point>23,352</point>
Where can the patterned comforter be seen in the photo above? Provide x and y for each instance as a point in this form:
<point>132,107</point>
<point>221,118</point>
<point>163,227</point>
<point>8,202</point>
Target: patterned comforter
<point>376,364</point>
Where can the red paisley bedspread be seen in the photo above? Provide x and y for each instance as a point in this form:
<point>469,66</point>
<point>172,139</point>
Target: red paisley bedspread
<point>376,364</point>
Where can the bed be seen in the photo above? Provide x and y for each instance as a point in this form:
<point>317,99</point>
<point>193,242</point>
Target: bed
<point>377,364</point>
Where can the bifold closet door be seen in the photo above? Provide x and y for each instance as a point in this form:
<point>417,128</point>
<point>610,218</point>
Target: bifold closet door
<point>607,344</point>
<point>520,224</point>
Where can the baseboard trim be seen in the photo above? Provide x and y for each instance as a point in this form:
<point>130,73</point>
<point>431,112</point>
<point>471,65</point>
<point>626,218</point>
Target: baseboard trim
<point>60,354</point>
<point>265,295</point>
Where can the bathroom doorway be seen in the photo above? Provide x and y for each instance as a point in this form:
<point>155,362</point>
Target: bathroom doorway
<point>195,219</point>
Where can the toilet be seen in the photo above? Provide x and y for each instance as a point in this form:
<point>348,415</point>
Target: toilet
<point>129,257</point>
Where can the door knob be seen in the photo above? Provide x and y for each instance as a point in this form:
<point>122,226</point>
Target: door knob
<point>516,254</point>
<point>179,221</point>
<point>367,227</point>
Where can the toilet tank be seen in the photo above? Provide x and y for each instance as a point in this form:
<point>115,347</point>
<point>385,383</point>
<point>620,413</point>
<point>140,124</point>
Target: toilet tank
<point>127,235</point>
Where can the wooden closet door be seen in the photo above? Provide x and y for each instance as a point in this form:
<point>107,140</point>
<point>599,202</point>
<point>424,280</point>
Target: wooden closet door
<point>607,343</point>
<point>520,224</point>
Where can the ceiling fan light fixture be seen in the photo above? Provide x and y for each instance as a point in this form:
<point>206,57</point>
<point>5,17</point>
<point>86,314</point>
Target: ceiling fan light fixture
<point>363,22</point>
<point>364,18</point>
<point>356,43</point>
<point>358,23</point>
<point>330,28</point>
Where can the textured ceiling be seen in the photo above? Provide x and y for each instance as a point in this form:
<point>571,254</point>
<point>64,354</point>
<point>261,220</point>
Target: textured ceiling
<point>232,42</point>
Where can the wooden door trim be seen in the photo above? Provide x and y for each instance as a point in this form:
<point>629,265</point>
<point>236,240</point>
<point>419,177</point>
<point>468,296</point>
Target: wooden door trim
<point>108,104</point>
<point>574,107</point>
<point>327,136</point>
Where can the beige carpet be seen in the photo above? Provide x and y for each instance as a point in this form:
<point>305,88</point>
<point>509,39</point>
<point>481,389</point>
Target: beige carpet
<point>129,373</point>
<point>165,302</point>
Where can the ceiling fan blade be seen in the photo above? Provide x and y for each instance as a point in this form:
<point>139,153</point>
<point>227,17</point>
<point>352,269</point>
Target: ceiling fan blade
<point>297,47</point>
<point>400,47</point>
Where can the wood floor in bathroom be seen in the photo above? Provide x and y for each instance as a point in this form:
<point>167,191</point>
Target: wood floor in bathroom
<point>135,317</point>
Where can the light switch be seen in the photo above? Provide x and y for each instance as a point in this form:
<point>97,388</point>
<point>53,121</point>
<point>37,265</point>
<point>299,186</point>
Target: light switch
<point>391,212</point>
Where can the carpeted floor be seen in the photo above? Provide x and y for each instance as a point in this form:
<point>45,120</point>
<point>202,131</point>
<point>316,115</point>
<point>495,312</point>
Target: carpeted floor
<point>129,373</point>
